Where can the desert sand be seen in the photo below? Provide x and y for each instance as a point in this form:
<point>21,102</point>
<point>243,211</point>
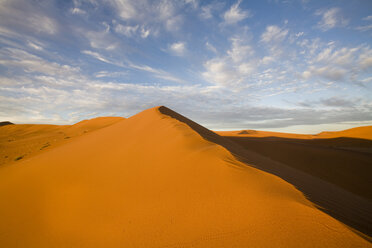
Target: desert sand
<point>155,179</point>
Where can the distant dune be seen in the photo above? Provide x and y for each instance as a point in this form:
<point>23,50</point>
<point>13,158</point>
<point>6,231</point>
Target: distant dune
<point>24,140</point>
<point>357,132</point>
<point>156,179</point>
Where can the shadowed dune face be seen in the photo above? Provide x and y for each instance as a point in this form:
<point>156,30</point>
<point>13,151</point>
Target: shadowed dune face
<point>333,172</point>
<point>339,160</point>
<point>154,181</point>
<point>24,140</point>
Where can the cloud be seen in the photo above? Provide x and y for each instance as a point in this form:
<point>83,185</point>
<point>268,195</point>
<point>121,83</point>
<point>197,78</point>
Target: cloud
<point>209,10</point>
<point>365,58</point>
<point>331,18</point>
<point>15,58</point>
<point>206,11</point>
<point>78,11</point>
<point>110,74</point>
<point>101,39</point>
<point>178,48</point>
<point>128,31</point>
<point>35,46</point>
<point>124,63</point>
<point>235,14</point>
<point>234,68</point>
<point>239,50</point>
<point>364,28</point>
<point>156,72</point>
<point>210,47</point>
<point>27,17</point>
<point>368,18</point>
<point>328,72</point>
<point>339,102</point>
<point>151,14</point>
<point>340,65</point>
<point>274,34</point>
<point>96,56</point>
<point>220,73</point>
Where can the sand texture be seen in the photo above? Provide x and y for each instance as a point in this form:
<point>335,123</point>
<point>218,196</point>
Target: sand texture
<point>156,179</point>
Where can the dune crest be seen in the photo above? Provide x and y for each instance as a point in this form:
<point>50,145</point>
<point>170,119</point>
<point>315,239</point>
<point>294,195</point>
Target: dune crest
<point>154,180</point>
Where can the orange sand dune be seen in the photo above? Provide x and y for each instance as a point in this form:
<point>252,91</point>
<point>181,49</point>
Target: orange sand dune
<point>152,181</point>
<point>24,140</point>
<point>257,133</point>
<point>357,132</point>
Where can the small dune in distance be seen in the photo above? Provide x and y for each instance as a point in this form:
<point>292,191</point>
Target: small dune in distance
<point>159,179</point>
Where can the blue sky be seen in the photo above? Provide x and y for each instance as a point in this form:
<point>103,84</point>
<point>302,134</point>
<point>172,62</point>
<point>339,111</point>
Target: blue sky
<point>285,65</point>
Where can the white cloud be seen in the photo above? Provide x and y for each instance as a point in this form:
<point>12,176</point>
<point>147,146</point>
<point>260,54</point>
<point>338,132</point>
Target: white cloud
<point>78,11</point>
<point>27,16</point>
<point>124,63</point>
<point>110,74</point>
<point>35,46</point>
<point>274,34</point>
<point>365,58</point>
<point>368,18</point>
<point>328,72</point>
<point>331,18</point>
<point>128,31</point>
<point>151,14</point>
<point>126,8</point>
<point>240,51</point>
<point>178,48</point>
<point>234,69</point>
<point>235,14</point>
<point>364,28</point>
<point>210,47</point>
<point>299,34</point>
<point>102,39</point>
<point>96,56</point>
<point>206,11</point>
<point>173,23</point>
<point>267,60</point>
<point>29,63</point>
<point>343,64</point>
<point>218,72</point>
<point>145,32</point>
<point>131,31</point>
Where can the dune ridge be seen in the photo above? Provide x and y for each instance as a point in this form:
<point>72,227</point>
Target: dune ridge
<point>153,181</point>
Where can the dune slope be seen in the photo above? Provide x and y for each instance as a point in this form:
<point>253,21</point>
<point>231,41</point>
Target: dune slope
<point>154,181</point>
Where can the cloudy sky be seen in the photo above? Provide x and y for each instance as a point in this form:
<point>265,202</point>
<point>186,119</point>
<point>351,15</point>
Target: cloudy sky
<point>284,65</point>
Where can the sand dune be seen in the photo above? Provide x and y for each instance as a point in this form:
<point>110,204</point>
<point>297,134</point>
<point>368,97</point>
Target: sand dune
<point>153,180</point>
<point>357,132</point>
<point>25,140</point>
